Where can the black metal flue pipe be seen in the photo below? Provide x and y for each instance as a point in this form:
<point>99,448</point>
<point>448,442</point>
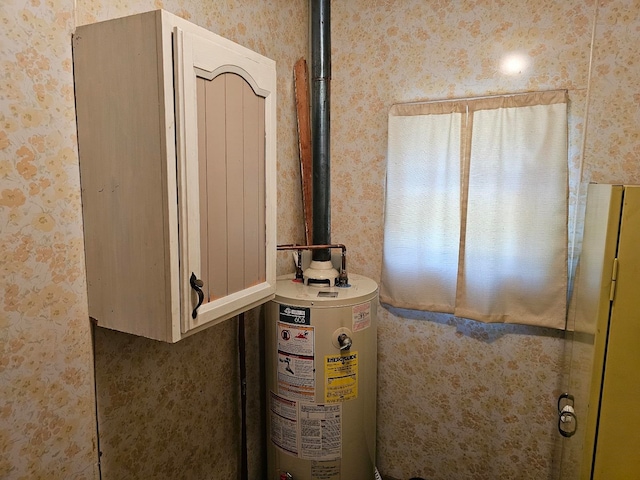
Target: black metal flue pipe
<point>320,94</point>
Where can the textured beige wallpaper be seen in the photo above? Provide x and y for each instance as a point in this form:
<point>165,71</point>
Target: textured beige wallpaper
<point>154,399</point>
<point>169,411</point>
<point>47,419</point>
<point>612,150</point>
<point>457,399</point>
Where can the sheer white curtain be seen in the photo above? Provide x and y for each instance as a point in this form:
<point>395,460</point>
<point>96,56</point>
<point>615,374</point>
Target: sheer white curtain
<point>476,208</point>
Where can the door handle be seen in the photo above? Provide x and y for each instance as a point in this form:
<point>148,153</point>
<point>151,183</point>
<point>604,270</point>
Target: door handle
<point>196,284</point>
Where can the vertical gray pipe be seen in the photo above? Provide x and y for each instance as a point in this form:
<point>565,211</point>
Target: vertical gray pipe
<point>320,122</point>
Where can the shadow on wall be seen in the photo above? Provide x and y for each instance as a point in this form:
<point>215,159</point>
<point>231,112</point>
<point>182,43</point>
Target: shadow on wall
<point>484,332</point>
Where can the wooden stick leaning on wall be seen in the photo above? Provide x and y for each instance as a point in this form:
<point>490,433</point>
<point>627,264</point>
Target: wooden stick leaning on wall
<point>301,83</point>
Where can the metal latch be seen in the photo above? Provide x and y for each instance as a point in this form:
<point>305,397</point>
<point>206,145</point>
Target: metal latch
<point>567,420</point>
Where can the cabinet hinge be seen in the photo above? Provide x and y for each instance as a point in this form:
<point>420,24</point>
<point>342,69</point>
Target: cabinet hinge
<point>614,278</point>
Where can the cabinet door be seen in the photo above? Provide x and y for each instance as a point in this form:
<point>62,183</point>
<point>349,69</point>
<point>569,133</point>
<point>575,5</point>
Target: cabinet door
<point>604,354</point>
<point>617,442</point>
<point>225,112</point>
<point>588,323</point>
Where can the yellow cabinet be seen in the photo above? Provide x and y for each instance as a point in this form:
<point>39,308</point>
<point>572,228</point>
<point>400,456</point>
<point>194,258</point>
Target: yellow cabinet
<point>177,145</point>
<point>605,349</point>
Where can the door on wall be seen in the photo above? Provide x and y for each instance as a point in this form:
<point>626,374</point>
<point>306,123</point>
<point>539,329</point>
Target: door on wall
<point>224,132</point>
<point>231,174</point>
<point>604,326</point>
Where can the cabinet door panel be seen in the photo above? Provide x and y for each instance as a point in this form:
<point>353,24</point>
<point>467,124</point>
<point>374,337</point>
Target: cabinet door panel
<point>225,195</point>
<point>235,182</point>
<point>231,185</point>
<point>202,187</point>
<point>215,239</point>
<point>254,200</point>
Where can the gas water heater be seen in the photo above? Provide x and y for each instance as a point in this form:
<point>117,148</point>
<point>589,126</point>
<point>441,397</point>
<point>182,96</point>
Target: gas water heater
<point>321,380</point>
<point>321,332</point>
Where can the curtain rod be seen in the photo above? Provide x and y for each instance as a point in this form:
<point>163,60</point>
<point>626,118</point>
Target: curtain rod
<point>463,99</point>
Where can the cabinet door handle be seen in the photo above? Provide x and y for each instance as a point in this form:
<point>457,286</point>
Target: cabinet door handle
<point>196,284</point>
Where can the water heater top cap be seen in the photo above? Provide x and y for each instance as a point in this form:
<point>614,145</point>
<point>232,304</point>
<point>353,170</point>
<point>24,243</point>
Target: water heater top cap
<point>289,292</point>
<point>320,274</point>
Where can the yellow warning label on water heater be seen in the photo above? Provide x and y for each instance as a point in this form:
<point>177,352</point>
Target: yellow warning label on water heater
<point>341,377</point>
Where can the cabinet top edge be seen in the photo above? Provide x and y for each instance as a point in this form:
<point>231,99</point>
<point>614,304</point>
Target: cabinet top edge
<point>170,20</point>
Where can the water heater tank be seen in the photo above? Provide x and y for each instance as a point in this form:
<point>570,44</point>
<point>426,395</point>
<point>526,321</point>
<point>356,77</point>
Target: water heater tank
<point>321,346</point>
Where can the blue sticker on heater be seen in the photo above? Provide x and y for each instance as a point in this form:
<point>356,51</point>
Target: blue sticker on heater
<point>295,315</point>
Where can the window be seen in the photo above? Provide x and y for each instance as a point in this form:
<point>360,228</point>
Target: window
<point>476,208</point>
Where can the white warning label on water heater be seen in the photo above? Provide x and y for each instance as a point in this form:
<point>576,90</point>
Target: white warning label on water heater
<point>307,430</point>
<point>284,423</point>
<point>296,370</point>
<point>320,431</point>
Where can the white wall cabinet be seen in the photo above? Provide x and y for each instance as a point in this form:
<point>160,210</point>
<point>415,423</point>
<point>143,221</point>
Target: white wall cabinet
<point>177,145</point>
